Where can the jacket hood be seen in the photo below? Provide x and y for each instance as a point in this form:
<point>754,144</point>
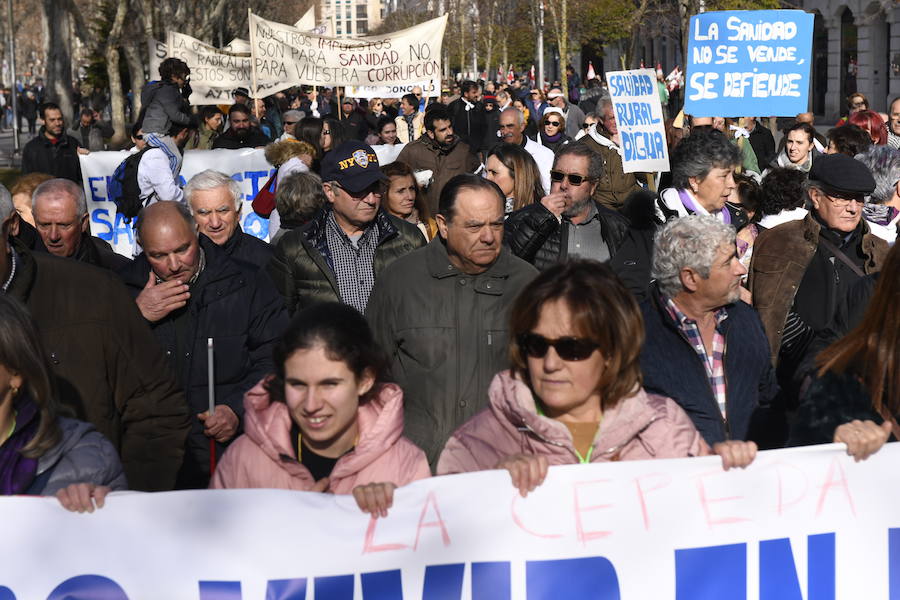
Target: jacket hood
<point>513,401</point>
<point>71,432</point>
<point>380,421</point>
<point>278,153</point>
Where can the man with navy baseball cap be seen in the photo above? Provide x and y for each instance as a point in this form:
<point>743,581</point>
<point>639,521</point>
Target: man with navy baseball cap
<point>340,252</point>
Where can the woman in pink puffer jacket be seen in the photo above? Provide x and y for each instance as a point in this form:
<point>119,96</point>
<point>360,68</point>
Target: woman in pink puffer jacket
<point>324,421</point>
<point>574,393</point>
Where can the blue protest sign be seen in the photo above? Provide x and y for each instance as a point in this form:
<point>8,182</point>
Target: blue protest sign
<point>748,63</point>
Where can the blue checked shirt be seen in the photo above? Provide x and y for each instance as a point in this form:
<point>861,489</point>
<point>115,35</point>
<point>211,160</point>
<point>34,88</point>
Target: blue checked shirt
<point>713,361</point>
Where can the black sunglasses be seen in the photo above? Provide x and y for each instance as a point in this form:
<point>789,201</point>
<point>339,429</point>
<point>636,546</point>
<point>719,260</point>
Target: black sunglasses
<point>574,179</point>
<point>290,122</point>
<point>568,348</point>
<point>554,123</point>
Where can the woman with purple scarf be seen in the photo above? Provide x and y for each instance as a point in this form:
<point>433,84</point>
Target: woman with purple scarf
<point>703,165</point>
<point>42,453</point>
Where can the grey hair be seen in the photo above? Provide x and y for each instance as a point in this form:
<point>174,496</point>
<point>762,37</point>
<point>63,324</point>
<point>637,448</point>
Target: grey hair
<point>6,204</point>
<point>520,118</point>
<point>211,180</point>
<point>60,186</point>
<point>701,152</point>
<point>884,163</point>
<point>296,114</point>
<point>183,211</point>
<point>299,197</point>
<point>595,168</point>
<point>690,241</point>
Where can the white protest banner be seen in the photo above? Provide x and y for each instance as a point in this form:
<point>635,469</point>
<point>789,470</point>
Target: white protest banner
<point>800,524</point>
<point>639,117</point>
<point>158,52</point>
<point>308,21</point>
<point>284,56</point>
<point>248,167</point>
<point>215,73</point>
<point>238,45</point>
<point>431,88</point>
<point>749,63</point>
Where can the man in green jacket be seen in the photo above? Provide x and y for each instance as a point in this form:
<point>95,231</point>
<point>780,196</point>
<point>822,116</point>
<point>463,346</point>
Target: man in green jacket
<point>442,312</point>
<point>338,255</point>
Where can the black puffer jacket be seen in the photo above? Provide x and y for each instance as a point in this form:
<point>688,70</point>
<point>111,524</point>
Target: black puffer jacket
<point>535,235</point>
<point>301,264</point>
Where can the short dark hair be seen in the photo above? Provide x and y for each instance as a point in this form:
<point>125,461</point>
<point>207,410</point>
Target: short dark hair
<point>412,100</point>
<point>808,129</point>
<point>781,189</point>
<point>436,114</point>
<point>173,67</point>
<point>176,128</point>
<point>86,112</point>
<point>849,139</point>
<point>385,120</point>
<point>238,107</point>
<point>467,85</point>
<point>344,333</point>
<point>48,106</point>
<point>602,310</point>
<point>595,169</point>
<point>209,111</point>
<point>458,183</point>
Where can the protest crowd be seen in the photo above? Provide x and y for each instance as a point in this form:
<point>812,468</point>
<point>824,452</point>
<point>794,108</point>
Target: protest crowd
<point>502,295</point>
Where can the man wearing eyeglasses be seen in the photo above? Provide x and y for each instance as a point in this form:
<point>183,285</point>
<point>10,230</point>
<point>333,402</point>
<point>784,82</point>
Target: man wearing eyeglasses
<point>615,184</point>
<point>567,223</point>
<point>801,269</point>
<point>339,254</point>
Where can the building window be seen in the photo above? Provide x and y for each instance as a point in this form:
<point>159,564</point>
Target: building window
<point>362,27</point>
<point>362,11</point>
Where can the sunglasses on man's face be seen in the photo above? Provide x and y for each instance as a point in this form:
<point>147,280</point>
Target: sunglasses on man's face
<point>574,178</point>
<point>290,122</point>
<point>567,348</point>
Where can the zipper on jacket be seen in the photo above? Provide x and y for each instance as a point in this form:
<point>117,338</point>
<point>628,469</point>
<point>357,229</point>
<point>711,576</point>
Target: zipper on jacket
<point>590,455</point>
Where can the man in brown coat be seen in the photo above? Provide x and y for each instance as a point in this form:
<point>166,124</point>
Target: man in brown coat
<point>109,369</point>
<point>800,270</point>
<point>615,184</point>
<point>440,152</point>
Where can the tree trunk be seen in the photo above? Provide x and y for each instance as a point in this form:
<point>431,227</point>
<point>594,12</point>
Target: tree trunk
<point>58,50</point>
<point>564,49</point>
<point>136,71</point>
<point>116,99</point>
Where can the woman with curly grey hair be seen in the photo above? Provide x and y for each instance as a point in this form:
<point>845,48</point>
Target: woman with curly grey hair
<point>703,166</point>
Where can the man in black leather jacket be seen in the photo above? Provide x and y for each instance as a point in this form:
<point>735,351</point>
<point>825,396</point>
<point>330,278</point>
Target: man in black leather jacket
<point>567,223</point>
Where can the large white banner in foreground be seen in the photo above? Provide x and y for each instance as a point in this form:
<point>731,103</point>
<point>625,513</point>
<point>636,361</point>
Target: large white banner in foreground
<point>798,524</point>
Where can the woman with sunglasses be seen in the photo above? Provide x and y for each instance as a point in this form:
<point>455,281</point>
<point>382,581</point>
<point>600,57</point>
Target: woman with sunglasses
<point>574,392</point>
<point>553,129</point>
<point>326,420</point>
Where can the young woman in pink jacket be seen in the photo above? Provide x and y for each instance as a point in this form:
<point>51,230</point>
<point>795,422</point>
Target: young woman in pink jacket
<point>325,421</point>
<point>574,392</point>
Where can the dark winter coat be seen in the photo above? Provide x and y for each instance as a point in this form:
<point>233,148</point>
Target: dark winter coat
<point>40,155</point>
<point>164,106</point>
<point>235,304</point>
<point>830,401</point>
<point>110,370</point>
<point>248,248</point>
<point>254,139</point>
<point>425,154</point>
<point>447,335</point>
<point>469,125</point>
<point>301,264</point>
<point>82,455</point>
<point>534,234</point>
<point>781,256</point>
<point>91,137</point>
<point>94,251</point>
<point>672,368</point>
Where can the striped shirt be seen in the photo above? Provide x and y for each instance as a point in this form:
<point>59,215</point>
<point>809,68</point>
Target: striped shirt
<point>714,361</point>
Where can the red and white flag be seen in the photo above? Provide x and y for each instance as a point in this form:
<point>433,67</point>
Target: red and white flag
<point>531,76</point>
<point>590,73</point>
<point>510,75</point>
